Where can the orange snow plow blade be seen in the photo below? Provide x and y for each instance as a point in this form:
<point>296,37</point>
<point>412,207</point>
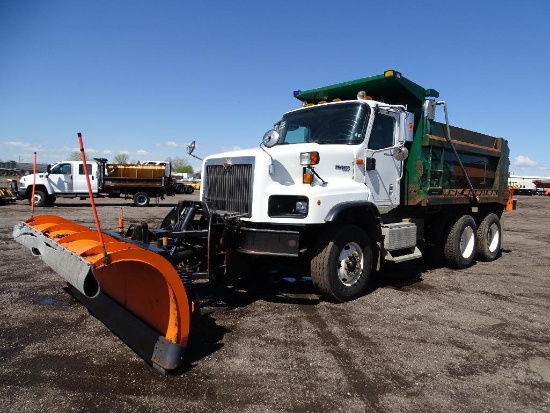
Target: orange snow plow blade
<point>135,292</point>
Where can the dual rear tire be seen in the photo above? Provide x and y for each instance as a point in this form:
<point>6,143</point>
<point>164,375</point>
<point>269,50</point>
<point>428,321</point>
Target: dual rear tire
<point>489,238</point>
<point>465,240</point>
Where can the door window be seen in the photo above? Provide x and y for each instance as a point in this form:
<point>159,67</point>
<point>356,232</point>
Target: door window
<point>81,169</point>
<point>383,132</point>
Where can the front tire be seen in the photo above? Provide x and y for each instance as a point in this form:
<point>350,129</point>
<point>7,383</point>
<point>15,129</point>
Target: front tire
<point>460,245</point>
<point>141,199</point>
<point>342,263</point>
<point>40,199</point>
<point>489,238</point>
<point>190,189</point>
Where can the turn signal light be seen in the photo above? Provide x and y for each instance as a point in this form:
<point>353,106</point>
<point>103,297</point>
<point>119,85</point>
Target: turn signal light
<point>307,177</point>
<point>309,158</point>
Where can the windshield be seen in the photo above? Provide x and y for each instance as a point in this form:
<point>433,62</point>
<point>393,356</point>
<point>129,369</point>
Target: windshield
<point>325,124</point>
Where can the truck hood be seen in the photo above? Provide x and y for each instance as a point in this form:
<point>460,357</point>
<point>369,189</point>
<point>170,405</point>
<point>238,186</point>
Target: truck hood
<point>29,178</point>
<point>233,154</point>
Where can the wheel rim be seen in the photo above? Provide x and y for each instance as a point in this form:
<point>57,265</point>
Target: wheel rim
<point>493,237</point>
<point>141,199</point>
<point>467,242</point>
<point>350,264</point>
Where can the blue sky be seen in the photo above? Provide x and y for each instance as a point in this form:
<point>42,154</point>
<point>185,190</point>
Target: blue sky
<point>148,77</point>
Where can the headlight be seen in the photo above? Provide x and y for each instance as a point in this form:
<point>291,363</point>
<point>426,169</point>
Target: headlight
<point>301,207</point>
<point>287,206</point>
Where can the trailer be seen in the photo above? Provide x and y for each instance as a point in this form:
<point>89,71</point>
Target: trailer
<point>360,175</point>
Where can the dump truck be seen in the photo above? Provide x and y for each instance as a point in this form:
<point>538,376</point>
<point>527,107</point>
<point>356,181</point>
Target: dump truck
<point>67,179</point>
<point>360,175</point>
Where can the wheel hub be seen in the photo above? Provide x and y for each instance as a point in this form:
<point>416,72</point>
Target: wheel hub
<point>493,237</point>
<point>467,242</point>
<point>350,264</point>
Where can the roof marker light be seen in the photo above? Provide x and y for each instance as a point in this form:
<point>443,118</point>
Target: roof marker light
<point>391,73</point>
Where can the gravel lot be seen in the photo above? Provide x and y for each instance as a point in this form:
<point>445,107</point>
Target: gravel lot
<point>423,339</point>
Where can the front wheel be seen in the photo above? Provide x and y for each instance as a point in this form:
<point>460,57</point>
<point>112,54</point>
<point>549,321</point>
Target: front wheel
<point>40,199</point>
<point>342,263</point>
<point>460,244</point>
<point>190,189</point>
<point>489,238</point>
<point>141,199</point>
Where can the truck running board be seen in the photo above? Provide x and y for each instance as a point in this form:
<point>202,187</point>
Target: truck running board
<point>394,257</point>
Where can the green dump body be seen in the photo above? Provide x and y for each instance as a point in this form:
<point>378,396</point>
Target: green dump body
<point>432,174</point>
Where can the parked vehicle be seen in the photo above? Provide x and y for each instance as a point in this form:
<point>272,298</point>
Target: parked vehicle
<point>67,179</point>
<point>186,187</point>
<point>8,191</point>
<point>362,174</point>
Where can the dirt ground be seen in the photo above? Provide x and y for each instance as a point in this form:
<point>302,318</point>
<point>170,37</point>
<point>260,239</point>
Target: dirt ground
<point>423,339</point>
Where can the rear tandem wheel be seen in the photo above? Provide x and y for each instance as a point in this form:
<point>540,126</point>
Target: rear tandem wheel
<point>489,238</point>
<point>460,243</point>
<point>141,199</point>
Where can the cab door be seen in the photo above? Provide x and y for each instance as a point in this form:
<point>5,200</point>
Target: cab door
<point>61,178</point>
<point>80,185</point>
<point>383,177</point>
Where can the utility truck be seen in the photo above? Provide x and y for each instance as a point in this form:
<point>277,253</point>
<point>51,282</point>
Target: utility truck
<point>67,179</point>
<point>361,174</point>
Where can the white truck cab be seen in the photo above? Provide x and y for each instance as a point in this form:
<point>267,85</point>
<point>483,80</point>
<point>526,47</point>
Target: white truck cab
<point>324,147</point>
<point>63,179</point>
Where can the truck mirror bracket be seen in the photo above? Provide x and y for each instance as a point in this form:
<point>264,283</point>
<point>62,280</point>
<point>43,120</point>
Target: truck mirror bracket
<point>370,164</point>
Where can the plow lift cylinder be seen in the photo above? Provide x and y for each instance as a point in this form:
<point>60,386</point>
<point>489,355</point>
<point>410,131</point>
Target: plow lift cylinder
<point>136,293</point>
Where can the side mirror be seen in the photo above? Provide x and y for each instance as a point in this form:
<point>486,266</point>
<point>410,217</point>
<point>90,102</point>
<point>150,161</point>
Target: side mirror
<point>400,153</point>
<point>271,138</point>
<point>49,169</point>
<point>190,149</point>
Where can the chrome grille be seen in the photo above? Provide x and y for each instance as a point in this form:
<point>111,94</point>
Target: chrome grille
<point>229,188</point>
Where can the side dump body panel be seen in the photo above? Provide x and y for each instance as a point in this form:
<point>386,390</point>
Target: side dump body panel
<point>434,176</point>
<point>134,176</point>
<point>135,171</point>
